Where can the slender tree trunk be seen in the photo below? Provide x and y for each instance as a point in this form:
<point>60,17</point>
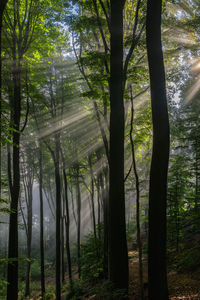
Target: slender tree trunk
<point>92,196</point>
<point>62,244</point>
<point>2,7</point>
<point>29,235</point>
<point>105,220</point>
<point>196,204</point>
<point>42,273</point>
<point>78,198</point>
<point>104,196</point>
<point>137,187</point>
<point>58,216</point>
<point>14,183</point>
<point>157,273</point>
<point>176,209</point>
<point>98,207</point>
<point>67,226</point>
<point>118,253</point>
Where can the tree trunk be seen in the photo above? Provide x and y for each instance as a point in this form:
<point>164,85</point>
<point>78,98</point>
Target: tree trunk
<point>105,220</point>
<point>137,187</point>
<point>2,7</point>
<point>29,235</point>
<point>78,199</point>
<point>92,195</point>
<point>98,207</point>
<point>67,226</point>
<point>104,195</point>
<point>62,246</point>
<point>118,254</point>
<point>159,165</point>
<point>14,182</point>
<point>58,216</point>
<point>42,273</point>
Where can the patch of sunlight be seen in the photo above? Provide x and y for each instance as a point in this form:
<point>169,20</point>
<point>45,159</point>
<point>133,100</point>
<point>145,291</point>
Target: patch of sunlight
<point>195,64</point>
<point>193,90</point>
<point>182,40</point>
<point>59,124</point>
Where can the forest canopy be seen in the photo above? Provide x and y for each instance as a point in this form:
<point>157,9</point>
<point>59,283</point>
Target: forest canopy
<point>99,149</point>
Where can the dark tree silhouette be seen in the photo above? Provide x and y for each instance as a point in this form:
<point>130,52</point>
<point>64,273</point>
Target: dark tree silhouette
<point>42,270</point>
<point>2,7</point>
<point>117,254</point>
<point>159,165</point>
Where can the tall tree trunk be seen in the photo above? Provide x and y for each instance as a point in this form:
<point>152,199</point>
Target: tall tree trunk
<point>29,235</point>
<point>98,207</point>
<point>42,273</point>
<point>105,219</point>
<point>158,288</point>
<point>92,196</point>
<point>62,245</point>
<point>118,254</point>
<point>137,187</point>
<point>14,182</point>
<point>67,226</point>
<point>78,199</point>
<point>104,195</point>
<point>196,204</point>
<point>58,215</point>
<point>2,7</point>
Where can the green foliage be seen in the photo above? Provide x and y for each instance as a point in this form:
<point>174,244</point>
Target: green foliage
<point>92,257</point>
<point>3,287</point>
<point>106,291</point>
<point>188,260</point>
<point>131,255</point>
<point>77,291</point>
<point>130,230</point>
<point>35,270</point>
<point>50,294</point>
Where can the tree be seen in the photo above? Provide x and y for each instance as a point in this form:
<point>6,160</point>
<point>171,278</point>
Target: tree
<point>27,172</point>
<point>19,36</point>
<point>159,165</point>
<point>42,276</point>
<point>2,8</point>
<point>117,254</point>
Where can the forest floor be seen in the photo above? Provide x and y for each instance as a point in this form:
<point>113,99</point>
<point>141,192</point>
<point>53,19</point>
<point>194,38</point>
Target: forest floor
<point>182,286</point>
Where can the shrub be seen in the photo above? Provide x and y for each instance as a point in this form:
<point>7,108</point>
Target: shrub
<point>105,291</point>
<point>3,288</point>
<point>35,270</point>
<point>77,291</point>
<point>92,258</point>
<point>188,260</point>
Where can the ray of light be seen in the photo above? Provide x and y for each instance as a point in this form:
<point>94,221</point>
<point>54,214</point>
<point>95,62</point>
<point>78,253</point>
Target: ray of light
<point>194,89</point>
<point>182,40</point>
<point>58,124</point>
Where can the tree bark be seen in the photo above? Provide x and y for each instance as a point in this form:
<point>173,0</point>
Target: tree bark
<point>67,226</point>
<point>158,288</point>
<point>118,254</point>
<point>137,187</point>
<point>2,7</point>
<point>14,182</point>
<point>92,195</point>
<point>29,188</point>
<point>78,199</point>
<point>58,216</point>
<point>42,273</point>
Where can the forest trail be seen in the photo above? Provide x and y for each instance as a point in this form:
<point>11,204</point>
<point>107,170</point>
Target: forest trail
<point>182,286</point>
